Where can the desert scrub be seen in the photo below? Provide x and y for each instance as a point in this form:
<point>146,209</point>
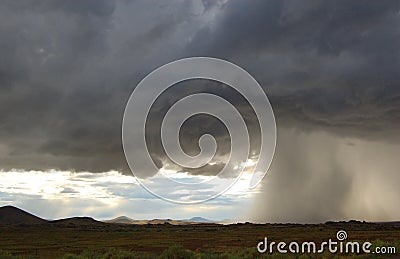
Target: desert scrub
<point>5,255</point>
<point>112,253</point>
<point>177,252</point>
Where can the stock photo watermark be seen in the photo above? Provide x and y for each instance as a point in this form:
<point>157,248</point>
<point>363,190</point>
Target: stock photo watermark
<point>168,186</point>
<point>338,245</point>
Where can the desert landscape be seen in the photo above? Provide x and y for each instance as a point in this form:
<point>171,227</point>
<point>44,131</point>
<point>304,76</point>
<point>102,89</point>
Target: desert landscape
<point>199,129</point>
<point>23,235</point>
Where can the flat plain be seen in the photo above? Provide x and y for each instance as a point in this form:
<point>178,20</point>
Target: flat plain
<point>81,238</point>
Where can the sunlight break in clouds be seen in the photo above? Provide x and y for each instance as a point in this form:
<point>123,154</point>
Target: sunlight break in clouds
<point>106,195</point>
<point>54,184</point>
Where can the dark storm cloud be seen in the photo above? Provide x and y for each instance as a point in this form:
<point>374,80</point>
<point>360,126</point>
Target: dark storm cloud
<point>200,124</point>
<point>327,67</point>
<point>66,72</point>
<point>332,65</point>
<point>52,112</point>
<point>67,69</point>
<point>368,112</point>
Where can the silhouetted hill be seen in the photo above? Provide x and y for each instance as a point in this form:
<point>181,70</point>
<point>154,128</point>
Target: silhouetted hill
<point>77,221</point>
<point>10,215</point>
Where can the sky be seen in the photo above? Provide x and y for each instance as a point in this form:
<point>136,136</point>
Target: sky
<point>330,70</point>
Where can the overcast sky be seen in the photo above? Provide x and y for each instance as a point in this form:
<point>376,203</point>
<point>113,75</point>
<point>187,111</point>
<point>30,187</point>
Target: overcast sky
<point>330,69</point>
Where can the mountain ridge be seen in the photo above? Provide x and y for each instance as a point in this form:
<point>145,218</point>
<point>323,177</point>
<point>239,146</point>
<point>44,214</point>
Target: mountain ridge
<point>10,215</point>
<point>200,219</point>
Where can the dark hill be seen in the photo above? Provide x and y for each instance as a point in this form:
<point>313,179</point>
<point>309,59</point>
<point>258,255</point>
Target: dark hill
<point>10,215</point>
<point>77,221</point>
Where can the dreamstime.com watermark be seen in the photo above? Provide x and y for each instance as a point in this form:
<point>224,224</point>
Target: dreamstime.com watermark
<point>339,246</point>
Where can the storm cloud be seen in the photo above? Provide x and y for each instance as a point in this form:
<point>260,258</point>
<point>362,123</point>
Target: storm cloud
<point>330,69</point>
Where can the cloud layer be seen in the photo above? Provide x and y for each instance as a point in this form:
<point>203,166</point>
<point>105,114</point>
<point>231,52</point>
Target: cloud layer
<point>67,69</point>
<point>330,69</point>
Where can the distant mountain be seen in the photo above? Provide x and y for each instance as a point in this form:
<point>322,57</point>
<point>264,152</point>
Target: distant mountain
<point>127,220</point>
<point>121,220</point>
<point>200,220</point>
<point>77,221</point>
<point>10,215</point>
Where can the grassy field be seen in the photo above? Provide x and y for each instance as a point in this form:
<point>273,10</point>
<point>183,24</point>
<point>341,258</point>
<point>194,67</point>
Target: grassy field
<point>168,241</point>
